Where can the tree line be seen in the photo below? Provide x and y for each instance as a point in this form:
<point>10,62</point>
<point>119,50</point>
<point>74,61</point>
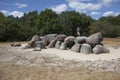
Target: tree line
<point>48,22</point>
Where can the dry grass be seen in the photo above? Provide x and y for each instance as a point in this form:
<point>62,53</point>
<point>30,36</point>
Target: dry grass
<point>111,42</point>
<point>13,72</point>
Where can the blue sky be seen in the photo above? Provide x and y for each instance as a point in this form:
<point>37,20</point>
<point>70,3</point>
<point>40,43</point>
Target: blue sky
<point>94,8</point>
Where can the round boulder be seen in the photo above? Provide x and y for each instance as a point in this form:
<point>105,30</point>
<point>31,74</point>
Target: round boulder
<point>80,39</point>
<point>86,48</point>
<point>94,39</point>
<point>69,41</point>
<point>52,44</point>
<point>60,37</point>
<point>57,45</point>
<point>40,44</point>
<point>76,47</point>
<point>100,49</point>
<point>63,46</point>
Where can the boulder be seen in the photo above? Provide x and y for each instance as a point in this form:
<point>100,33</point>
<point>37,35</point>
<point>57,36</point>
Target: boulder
<point>49,37</point>
<point>52,44</point>
<point>100,49</point>
<point>69,41</point>
<point>40,44</point>
<point>76,47</point>
<point>31,43</point>
<point>60,37</point>
<point>63,46</point>
<point>94,39</point>
<point>80,39</point>
<point>15,45</point>
<point>86,48</point>
<point>57,45</point>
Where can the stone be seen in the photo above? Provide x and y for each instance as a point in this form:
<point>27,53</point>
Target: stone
<point>52,44</point>
<point>63,46</point>
<point>69,41</point>
<point>31,43</point>
<point>100,49</point>
<point>40,44</point>
<point>86,48</point>
<point>94,39</point>
<point>48,38</point>
<point>60,37</point>
<point>80,39</point>
<point>16,45</point>
<point>76,47</point>
<point>57,45</point>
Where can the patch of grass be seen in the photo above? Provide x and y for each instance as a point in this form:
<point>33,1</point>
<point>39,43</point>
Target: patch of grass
<point>13,72</point>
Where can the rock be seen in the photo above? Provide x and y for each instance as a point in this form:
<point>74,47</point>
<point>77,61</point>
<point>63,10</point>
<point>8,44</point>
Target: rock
<point>80,39</point>
<point>100,49</point>
<point>94,39</point>
<point>76,47</point>
<point>49,37</point>
<point>63,46</point>
<point>37,49</point>
<point>40,44</point>
<point>60,37</point>
<point>86,48</point>
<point>31,43</point>
<point>57,45</point>
<point>52,44</point>
<point>16,45</point>
<point>69,41</point>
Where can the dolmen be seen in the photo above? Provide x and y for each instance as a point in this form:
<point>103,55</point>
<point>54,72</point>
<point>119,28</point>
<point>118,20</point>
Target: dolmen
<point>80,44</point>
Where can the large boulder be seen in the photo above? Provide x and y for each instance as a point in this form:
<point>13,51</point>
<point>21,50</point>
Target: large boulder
<point>57,45</point>
<point>80,39</point>
<point>31,43</point>
<point>52,44</point>
<point>60,37</point>
<point>100,49</point>
<point>40,44</point>
<point>76,47</point>
<point>86,48</point>
<point>94,39</point>
<point>69,41</point>
<point>49,37</point>
<point>63,46</point>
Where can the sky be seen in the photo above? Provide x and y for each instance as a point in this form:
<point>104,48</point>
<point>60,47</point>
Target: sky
<point>93,8</point>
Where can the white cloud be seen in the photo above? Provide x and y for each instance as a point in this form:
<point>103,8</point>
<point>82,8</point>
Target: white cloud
<point>16,13</point>
<point>111,13</point>
<point>59,8</point>
<point>95,13</point>
<point>13,13</point>
<point>81,6</point>
<point>21,5</point>
<point>4,12</point>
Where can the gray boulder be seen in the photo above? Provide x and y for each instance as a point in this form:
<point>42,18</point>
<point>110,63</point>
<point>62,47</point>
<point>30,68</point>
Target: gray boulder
<point>57,45</point>
<point>37,49</point>
<point>49,37</point>
<point>40,44</point>
<point>94,39</point>
<point>69,41</point>
<point>100,49</point>
<point>86,48</point>
<point>80,39</point>
<point>60,37</point>
<point>52,44</point>
<point>63,46</point>
<point>31,43</point>
<point>76,47</point>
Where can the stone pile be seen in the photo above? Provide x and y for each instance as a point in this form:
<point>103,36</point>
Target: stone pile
<point>81,44</point>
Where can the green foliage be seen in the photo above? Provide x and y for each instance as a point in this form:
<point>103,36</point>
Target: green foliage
<point>47,21</point>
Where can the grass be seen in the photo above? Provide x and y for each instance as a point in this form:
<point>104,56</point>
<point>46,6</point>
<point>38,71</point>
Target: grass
<point>13,72</point>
